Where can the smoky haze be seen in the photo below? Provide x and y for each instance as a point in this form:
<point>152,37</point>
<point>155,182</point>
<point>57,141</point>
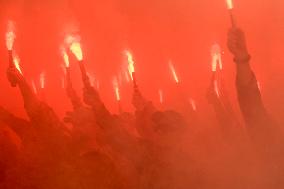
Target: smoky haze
<point>156,32</point>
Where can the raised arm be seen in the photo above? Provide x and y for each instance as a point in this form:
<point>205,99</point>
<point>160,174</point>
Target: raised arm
<point>249,96</point>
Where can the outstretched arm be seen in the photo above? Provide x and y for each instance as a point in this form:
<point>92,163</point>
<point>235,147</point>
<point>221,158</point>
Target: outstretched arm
<point>92,98</point>
<point>74,98</point>
<point>30,99</point>
<point>248,93</point>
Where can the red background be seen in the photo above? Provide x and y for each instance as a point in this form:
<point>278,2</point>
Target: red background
<point>155,31</point>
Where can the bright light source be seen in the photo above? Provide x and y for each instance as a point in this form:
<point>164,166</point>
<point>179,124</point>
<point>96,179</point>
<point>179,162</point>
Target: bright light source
<point>216,57</point>
<point>16,60</point>
<point>172,68</point>
<point>77,50</point>
<point>131,68</point>
<point>230,4</point>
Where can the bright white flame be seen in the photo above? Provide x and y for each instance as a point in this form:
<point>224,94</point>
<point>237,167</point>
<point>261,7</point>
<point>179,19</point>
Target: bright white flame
<point>193,104</point>
<point>42,80</point>
<point>10,35</point>
<point>230,4</point>
<point>116,89</point>
<point>130,61</point>
<point>216,88</point>
<point>172,68</point>
<point>34,87</point>
<point>161,96</point>
<point>65,58</point>
<point>77,50</point>
<point>16,60</point>
<point>216,57</point>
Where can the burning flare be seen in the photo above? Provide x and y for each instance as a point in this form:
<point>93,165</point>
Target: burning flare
<point>116,89</point>
<point>172,68</point>
<point>65,57</point>
<point>77,50</point>
<point>130,60</point>
<point>73,42</point>
<point>10,35</point>
<point>42,80</point>
<point>230,4</point>
<point>216,57</point>
<point>16,60</point>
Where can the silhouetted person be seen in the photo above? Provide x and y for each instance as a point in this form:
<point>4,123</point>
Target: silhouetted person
<point>264,132</point>
<point>45,147</point>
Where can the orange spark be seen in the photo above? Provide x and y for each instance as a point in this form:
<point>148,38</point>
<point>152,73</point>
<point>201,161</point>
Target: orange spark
<point>130,60</point>
<point>172,68</point>
<point>16,60</point>
<point>42,80</point>
<point>230,4</point>
<point>10,35</point>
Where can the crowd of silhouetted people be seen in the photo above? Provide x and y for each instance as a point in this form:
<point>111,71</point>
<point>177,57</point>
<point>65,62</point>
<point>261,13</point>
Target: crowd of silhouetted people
<point>147,149</point>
